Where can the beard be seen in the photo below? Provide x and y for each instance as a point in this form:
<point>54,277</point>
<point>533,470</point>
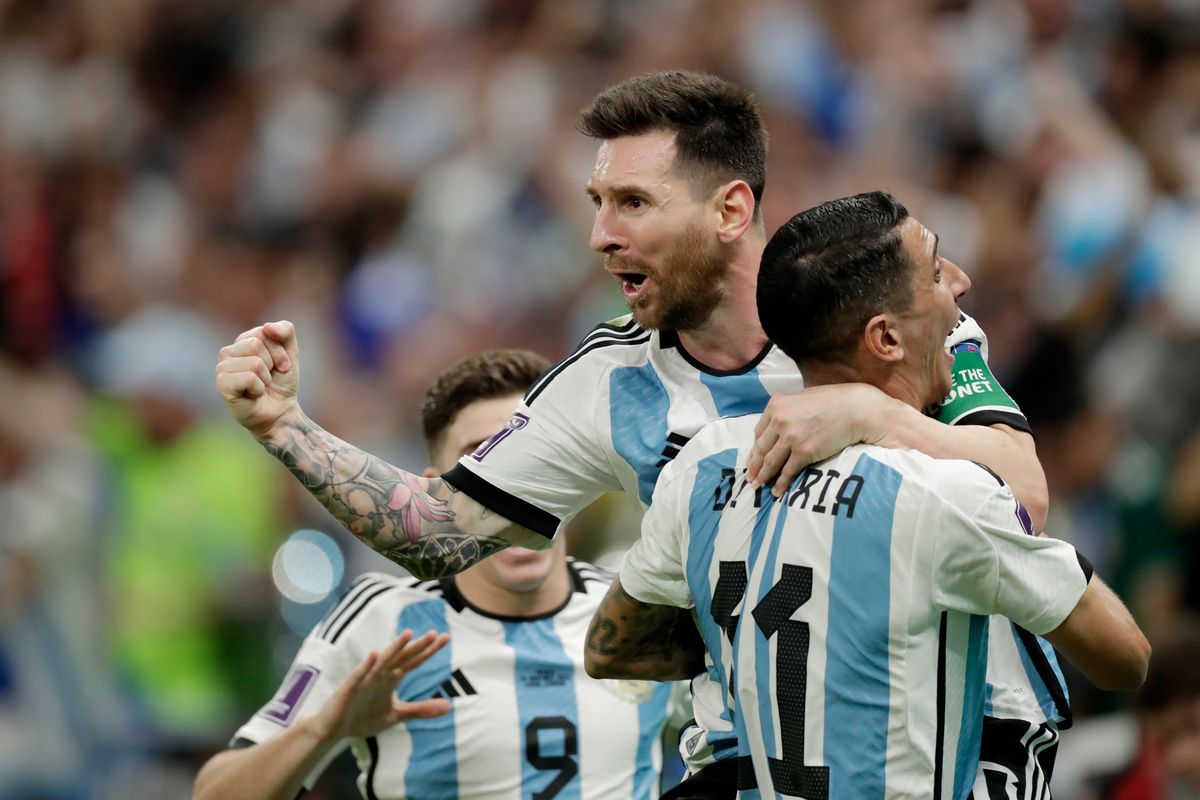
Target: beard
<point>689,284</point>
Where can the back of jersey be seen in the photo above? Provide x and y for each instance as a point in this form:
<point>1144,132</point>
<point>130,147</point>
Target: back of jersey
<point>849,680</point>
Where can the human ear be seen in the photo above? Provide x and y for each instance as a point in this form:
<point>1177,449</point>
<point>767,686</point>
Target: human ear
<point>736,208</point>
<point>883,339</point>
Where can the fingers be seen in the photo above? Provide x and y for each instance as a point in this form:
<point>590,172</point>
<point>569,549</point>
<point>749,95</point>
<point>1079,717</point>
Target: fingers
<point>424,709</point>
<point>274,342</point>
<point>419,650</point>
<point>281,338</point>
<point>764,445</point>
<point>794,465</point>
<point>234,385</point>
<point>392,653</point>
<point>359,673</point>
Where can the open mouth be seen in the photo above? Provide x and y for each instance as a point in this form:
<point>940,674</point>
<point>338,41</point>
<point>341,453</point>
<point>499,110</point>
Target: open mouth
<point>631,283</point>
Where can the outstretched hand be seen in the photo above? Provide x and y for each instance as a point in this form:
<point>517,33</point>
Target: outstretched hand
<point>799,429</point>
<point>258,375</point>
<point>365,703</point>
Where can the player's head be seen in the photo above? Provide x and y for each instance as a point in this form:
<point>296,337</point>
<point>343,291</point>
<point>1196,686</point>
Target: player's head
<point>855,289</point>
<point>466,405</point>
<point>678,181</point>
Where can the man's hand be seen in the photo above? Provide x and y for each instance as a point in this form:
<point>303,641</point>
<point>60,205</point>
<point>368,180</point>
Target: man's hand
<point>257,376</point>
<point>365,703</point>
<point>808,426</point>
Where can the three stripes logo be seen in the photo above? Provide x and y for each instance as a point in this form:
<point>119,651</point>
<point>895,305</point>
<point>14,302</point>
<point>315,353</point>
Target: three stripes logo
<point>675,443</point>
<point>456,685</point>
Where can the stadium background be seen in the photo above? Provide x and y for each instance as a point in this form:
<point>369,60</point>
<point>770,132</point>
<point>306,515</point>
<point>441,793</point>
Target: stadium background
<point>402,179</point>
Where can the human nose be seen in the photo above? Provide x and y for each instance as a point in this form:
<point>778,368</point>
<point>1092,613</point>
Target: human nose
<point>605,238</point>
<point>958,280</point>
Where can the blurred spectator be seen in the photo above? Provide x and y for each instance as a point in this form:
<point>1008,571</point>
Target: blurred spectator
<point>402,178</point>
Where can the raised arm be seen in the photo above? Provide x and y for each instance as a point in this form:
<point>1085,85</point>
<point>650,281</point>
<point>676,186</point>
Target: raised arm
<point>423,524</point>
<point>363,706</point>
<point>632,640</point>
<point>798,429</point>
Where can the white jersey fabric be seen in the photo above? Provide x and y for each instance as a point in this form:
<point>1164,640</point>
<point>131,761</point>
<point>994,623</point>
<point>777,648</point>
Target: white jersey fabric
<point>619,409</point>
<point>848,620</point>
<point>525,720</point>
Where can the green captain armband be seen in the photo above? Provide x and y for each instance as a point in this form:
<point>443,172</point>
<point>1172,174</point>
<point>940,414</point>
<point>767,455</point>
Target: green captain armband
<point>976,397</point>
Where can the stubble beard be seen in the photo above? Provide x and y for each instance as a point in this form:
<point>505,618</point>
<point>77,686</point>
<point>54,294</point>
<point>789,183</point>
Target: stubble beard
<point>690,284</point>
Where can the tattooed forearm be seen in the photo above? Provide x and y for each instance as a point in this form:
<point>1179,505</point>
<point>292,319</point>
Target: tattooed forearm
<point>632,639</point>
<point>405,517</point>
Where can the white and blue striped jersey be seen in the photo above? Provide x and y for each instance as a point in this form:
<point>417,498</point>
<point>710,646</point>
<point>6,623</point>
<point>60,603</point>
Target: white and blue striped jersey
<point>525,718</point>
<point>848,621</point>
<point>619,409</point>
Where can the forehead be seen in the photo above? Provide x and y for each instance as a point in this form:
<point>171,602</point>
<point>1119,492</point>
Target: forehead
<point>919,242</point>
<point>642,159</point>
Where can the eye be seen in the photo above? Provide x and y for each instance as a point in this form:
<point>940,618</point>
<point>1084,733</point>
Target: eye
<point>635,202</point>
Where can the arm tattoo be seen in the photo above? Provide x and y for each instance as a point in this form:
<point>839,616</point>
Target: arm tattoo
<point>405,517</point>
<point>643,640</point>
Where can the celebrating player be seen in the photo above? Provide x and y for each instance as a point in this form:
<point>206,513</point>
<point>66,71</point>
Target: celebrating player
<point>847,618</point>
<point>677,187</point>
<point>492,701</point>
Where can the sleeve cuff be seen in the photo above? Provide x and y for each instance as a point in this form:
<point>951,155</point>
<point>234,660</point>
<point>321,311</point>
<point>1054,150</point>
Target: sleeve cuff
<point>514,509</point>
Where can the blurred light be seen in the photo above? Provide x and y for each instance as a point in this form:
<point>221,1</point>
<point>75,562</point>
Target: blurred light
<point>308,567</point>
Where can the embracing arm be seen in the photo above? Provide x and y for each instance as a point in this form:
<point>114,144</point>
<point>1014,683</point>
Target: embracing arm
<point>632,640</point>
<point>423,524</point>
<point>798,429</point>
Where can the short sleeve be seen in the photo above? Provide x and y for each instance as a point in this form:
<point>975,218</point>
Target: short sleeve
<point>653,569</point>
<point>544,465</point>
<point>988,562</point>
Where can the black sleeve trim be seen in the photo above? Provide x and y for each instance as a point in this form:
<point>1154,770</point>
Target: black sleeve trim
<point>514,509</point>
<point>241,743</point>
<point>985,417</point>
<point>1086,566</point>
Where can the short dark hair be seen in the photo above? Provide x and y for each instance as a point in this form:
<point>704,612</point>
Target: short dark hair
<point>828,270</point>
<point>719,134</point>
<point>485,376</point>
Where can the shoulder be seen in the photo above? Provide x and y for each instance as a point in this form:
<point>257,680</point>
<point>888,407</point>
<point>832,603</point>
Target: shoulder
<point>963,484</point>
<point>727,440</point>
<point>610,344</point>
<point>371,596</point>
<point>588,578</point>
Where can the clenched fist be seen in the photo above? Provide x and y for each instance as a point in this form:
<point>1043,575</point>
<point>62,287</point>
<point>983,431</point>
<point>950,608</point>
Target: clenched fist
<point>257,377</point>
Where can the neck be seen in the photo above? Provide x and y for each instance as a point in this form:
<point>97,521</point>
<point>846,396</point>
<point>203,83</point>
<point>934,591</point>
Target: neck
<point>486,595</point>
<point>731,336</point>
<point>888,380</point>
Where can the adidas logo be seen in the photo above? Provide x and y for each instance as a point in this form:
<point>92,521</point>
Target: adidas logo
<point>675,443</point>
<point>456,685</point>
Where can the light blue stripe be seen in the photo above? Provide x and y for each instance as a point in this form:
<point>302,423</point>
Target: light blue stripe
<point>857,687</point>
<point>638,406</point>
<point>1045,701</point>
<point>702,527</point>
<point>433,768</point>
<point>545,682</point>
<point>735,395</point>
<point>762,646</point>
<point>652,714</point>
<point>970,732</point>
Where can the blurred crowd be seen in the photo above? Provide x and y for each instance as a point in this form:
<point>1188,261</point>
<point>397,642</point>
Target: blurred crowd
<point>403,179</point>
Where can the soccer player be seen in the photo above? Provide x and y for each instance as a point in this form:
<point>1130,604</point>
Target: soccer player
<point>848,618</point>
<point>677,186</point>
<point>504,709</point>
